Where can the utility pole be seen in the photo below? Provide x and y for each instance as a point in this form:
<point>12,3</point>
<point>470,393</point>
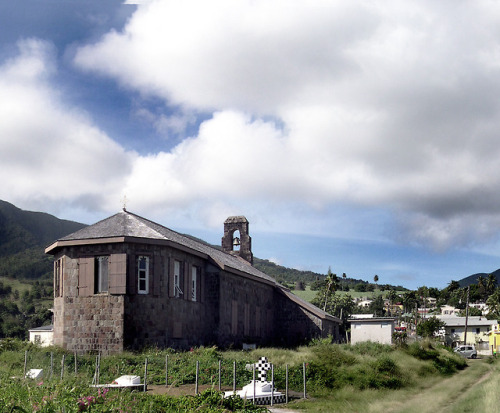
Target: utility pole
<point>466,314</point>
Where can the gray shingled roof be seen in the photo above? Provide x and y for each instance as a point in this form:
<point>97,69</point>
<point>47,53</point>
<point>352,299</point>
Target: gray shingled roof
<point>127,224</point>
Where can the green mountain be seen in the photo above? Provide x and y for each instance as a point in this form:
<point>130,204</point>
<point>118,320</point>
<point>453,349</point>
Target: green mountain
<point>472,279</point>
<point>23,237</point>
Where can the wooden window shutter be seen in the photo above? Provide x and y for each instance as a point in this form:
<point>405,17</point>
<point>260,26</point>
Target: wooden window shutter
<point>56,280</point>
<point>132,279</point>
<point>156,274</point>
<point>118,274</point>
<point>86,277</point>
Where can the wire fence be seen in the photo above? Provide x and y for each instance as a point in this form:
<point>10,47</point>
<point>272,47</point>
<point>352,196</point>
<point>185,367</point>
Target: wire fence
<point>174,369</point>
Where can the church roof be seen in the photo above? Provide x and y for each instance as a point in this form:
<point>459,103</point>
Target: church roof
<point>126,226</point>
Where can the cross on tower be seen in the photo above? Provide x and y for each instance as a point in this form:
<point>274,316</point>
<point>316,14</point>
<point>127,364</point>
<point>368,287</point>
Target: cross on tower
<point>262,366</point>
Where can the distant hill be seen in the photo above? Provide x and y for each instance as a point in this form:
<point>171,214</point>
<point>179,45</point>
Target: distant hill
<point>472,279</point>
<point>23,237</point>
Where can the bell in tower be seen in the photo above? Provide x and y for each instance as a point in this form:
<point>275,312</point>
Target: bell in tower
<point>236,240</point>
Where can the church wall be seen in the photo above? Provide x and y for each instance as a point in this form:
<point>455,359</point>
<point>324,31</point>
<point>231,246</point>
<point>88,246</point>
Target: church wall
<point>246,311</point>
<point>228,310</point>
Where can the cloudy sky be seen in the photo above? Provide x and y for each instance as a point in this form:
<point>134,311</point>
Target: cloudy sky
<point>352,134</point>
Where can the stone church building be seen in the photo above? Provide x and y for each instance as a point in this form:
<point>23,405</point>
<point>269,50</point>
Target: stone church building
<point>127,282</point>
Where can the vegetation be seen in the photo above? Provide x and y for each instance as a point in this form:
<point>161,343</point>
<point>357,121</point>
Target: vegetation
<point>429,327</point>
<point>330,369</point>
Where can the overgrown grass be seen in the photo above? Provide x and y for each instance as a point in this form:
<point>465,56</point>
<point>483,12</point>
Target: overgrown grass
<point>330,368</point>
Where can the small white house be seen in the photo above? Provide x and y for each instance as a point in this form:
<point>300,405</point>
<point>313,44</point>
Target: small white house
<point>376,329</point>
<point>43,336</point>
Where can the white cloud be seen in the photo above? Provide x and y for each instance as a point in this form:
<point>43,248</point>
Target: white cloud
<point>380,104</point>
<point>50,153</point>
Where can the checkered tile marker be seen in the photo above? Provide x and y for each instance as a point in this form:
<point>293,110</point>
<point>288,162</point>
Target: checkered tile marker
<point>262,366</point>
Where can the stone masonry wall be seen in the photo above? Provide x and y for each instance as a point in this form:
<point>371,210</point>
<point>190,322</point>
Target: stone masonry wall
<point>296,325</point>
<point>246,311</point>
<point>167,321</point>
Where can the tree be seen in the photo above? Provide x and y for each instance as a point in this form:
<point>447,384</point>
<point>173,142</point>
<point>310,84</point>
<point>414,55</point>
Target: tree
<point>429,327</point>
<point>473,312</point>
<point>331,285</point>
<point>377,306</point>
<point>481,284</point>
<point>409,301</point>
<point>491,283</point>
<point>392,297</point>
<point>493,303</point>
<point>453,286</point>
<point>360,288</point>
<point>375,278</point>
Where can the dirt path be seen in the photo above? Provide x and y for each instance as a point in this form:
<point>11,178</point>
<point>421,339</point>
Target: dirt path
<point>445,395</point>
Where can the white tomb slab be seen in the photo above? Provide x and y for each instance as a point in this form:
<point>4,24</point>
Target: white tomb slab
<point>34,374</point>
<point>261,391</point>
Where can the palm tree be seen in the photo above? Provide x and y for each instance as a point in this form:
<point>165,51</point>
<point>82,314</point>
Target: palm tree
<point>375,278</point>
<point>493,303</point>
<point>481,284</point>
<point>392,296</point>
<point>331,285</point>
<point>453,286</point>
<point>491,283</point>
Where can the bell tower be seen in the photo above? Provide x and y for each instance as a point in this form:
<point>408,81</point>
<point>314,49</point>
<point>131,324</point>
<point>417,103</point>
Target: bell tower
<point>236,240</point>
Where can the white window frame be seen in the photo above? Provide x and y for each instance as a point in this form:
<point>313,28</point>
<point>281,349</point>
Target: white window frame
<point>194,277</point>
<point>177,279</point>
<point>102,275</point>
<point>142,275</point>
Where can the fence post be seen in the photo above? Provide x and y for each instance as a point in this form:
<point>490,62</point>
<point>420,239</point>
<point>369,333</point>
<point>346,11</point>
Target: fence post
<point>166,370</point>
<point>304,378</point>
<point>272,384</point>
<point>146,375</point>
<point>62,366</point>
<point>253,381</point>
<point>98,367</point>
<point>25,363</point>
<point>234,375</point>
<point>51,364</point>
<point>219,374</point>
<point>286,384</point>
<point>197,374</point>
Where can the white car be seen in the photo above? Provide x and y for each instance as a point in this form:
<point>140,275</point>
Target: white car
<point>466,351</point>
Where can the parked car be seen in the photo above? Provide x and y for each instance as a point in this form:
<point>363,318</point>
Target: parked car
<point>466,351</point>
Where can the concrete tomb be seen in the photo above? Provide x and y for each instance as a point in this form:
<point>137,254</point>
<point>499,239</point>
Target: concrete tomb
<point>261,391</point>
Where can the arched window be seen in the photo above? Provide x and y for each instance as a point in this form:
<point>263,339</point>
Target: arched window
<point>236,240</point>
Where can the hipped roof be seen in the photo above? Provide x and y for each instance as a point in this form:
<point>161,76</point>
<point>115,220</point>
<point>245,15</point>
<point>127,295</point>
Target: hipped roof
<point>126,226</point>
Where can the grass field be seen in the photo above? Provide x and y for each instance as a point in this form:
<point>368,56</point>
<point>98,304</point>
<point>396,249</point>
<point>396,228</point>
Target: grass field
<point>16,284</point>
<point>309,295</point>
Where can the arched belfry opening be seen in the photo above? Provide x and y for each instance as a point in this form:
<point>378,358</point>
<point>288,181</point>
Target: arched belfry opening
<point>236,239</point>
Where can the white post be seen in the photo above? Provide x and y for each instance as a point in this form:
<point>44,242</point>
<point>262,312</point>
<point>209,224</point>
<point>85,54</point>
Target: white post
<point>197,373</point>
<point>253,383</point>
<point>272,384</point>
<point>286,383</point>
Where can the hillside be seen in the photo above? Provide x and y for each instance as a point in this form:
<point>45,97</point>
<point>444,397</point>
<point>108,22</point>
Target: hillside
<point>23,237</point>
<point>472,279</point>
